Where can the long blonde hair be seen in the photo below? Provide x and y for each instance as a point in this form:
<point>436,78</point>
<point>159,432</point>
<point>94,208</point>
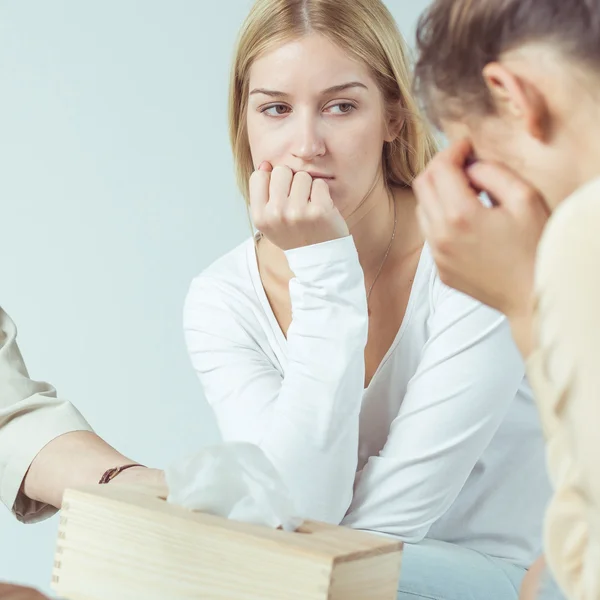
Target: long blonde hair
<point>366,30</point>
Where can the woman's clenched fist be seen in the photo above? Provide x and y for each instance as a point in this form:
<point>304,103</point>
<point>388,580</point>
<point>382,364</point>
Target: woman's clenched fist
<point>293,210</point>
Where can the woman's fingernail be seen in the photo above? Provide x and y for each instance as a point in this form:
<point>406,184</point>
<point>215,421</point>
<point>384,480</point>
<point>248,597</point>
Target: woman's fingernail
<point>265,165</point>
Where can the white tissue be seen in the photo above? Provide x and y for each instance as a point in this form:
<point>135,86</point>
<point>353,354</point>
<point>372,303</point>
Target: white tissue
<point>233,480</point>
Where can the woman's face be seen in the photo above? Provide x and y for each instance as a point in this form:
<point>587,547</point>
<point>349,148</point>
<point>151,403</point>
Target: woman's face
<point>313,108</point>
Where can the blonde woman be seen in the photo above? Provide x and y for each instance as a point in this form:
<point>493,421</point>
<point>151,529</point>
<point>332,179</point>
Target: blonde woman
<point>387,401</point>
<point>516,85</point>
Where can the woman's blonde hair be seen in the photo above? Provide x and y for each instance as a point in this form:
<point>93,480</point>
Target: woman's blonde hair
<point>366,30</point>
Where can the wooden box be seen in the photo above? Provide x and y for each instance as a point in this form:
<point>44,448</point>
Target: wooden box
<point>117,543</point>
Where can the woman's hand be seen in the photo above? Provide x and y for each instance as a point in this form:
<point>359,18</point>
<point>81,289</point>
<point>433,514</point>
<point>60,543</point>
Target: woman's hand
<point>293,210</point>
<point>17,592</point>
<point>487,253</point>
<point>79,459</point>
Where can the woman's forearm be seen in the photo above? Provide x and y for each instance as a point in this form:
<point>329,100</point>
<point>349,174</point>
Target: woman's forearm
<point>78,459</point>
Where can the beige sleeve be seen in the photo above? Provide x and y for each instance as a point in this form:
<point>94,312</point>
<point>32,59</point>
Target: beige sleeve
<point>565,372</point>
<point>30,416</point>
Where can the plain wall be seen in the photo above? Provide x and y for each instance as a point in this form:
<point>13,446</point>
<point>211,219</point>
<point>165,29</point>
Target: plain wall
<point>116,187</point>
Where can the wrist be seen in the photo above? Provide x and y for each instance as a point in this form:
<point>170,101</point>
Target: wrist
<point>113,472</point>
<point>141,476</point>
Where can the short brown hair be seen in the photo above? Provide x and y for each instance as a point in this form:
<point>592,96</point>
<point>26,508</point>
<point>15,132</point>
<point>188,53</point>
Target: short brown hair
<point>367,31</point>
<point>456,39</point>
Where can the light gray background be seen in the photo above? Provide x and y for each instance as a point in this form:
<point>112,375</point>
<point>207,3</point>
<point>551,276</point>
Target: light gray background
<point>116,187</point>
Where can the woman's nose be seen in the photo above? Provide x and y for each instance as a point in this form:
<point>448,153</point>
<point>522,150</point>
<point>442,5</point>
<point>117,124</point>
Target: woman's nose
<point>308,141</point>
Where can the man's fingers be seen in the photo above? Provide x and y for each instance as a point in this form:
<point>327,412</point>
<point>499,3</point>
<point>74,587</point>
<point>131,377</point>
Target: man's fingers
<point>457,154</point>
<point>504,186</point>
<point>454,189</point>
<point>423,221</point>
<point>430,209</point>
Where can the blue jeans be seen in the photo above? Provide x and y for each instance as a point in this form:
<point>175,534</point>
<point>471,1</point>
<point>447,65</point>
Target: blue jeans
<point>433,570</point>
<point>549,589</point>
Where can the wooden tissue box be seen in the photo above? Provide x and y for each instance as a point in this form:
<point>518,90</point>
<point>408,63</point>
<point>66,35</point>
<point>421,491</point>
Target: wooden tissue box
<point>118,543</point>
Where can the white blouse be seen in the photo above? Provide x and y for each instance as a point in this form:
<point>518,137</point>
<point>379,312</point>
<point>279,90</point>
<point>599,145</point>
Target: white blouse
<point>444,443</point>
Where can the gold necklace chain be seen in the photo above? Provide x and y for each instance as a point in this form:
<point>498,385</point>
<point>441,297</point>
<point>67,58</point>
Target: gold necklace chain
<point>387,252</point>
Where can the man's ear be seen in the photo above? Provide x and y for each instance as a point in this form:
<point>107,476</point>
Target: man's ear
<point>519,99</point>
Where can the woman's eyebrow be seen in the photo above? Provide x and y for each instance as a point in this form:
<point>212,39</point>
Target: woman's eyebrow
<point>330,90</point>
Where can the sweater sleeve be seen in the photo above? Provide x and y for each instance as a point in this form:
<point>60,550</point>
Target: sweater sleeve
<point>305,419</point>
<point>31,416</point>
<point>566,378</point>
